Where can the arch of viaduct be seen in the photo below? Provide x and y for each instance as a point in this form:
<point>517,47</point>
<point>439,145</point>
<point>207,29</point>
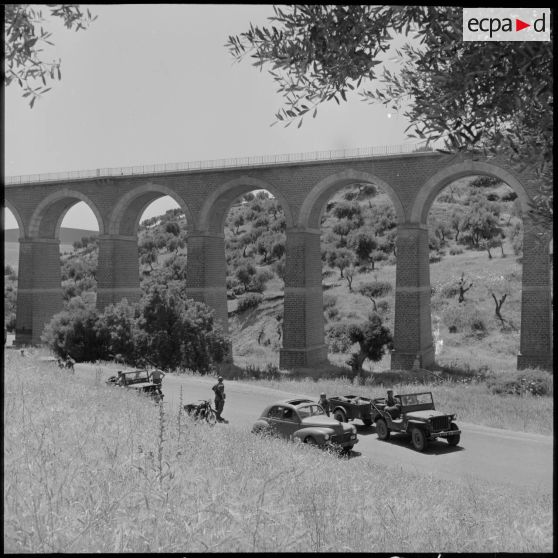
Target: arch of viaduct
<point>412,182</point>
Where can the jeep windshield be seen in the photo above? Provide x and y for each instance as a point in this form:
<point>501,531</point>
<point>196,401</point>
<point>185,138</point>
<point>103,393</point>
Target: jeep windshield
<point>310,411</point>
<point>417,399</point>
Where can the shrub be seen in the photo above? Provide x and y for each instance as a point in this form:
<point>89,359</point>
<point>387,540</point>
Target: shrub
<point>449,290</point>
<point>509,196</point>
<point>337,338</point>
<point>464,318</point>
<point>329,301</point>
<point>533,381</point>
<point>367,191</point>
<point>347,210</point>
<point>493,197</point>
<point>178,334</point>
<point>485,181</point>
<point>332,313</point>
<point>250,300</point>
<point>72,333</point>
<point>383,306</point>
<point>259,280</point>
<point>446,197</point>
<point>454,250</point>
<point>435,258</point>
<point>270,372</point>
<point>10,321</point>
<point>278,268</point>
<point>350,196</point>
<point>375,289</point>
<point>116,329</point>
<point>463,373</point>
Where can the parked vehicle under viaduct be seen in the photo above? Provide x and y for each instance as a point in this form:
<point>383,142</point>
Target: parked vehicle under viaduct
<point>302,184</point>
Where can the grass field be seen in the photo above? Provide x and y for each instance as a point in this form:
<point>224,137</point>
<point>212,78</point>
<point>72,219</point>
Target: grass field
<point>89,469</point>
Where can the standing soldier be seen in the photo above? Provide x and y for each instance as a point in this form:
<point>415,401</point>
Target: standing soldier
<point>324,402</point>
<point>219,390</point>
<point>157,377</point>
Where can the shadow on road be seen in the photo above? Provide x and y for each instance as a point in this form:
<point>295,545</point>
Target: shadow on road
<point>435,447</point>
<point>350,455</point>
<point>364,430</point>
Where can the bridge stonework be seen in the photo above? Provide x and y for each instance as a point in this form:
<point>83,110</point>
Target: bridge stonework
<point>303,188</point>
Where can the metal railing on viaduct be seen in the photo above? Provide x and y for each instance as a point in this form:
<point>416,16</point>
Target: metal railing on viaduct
<point>411,175</point>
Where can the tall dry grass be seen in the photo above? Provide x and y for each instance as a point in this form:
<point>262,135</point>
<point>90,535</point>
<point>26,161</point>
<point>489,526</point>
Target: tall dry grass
<point>94,469</point>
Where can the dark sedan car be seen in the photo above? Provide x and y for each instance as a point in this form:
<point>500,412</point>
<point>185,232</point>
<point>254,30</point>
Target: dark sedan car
<point>306,421</point>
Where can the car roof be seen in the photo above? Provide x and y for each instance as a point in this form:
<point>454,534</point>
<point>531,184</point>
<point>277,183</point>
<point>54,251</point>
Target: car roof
<point>134,371</point>
<point>294,402</point>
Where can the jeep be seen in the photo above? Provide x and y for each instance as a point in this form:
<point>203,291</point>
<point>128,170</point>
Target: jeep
<point>418,418</point>
<point>350,407</point>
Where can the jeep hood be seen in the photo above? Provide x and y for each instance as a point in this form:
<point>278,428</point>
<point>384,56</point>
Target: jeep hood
<point>425,415</point>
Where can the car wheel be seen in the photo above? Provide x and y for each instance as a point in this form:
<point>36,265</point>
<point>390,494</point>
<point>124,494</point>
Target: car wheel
<point>418,438</point>
<point>340,415</point>
<point>382,429</point>
<point>261,430</point>
<point>454,440</point>
<point>311,441</point>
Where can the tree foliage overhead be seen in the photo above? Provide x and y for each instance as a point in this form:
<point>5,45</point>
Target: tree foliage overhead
<point>493,97</point>
<point>24,37</point>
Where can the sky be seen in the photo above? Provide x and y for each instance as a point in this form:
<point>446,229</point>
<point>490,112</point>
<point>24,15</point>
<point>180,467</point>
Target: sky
<point>153,83</point>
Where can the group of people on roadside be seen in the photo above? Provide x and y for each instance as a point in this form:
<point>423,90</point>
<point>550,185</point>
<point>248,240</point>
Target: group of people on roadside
<point>156,376</point>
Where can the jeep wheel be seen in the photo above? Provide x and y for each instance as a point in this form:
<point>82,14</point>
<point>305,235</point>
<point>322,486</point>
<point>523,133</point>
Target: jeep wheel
<point>310,441</point>
<point>382,429</point>
<point>340,415</point>
<point>419,439</point>
<point>453,440</point>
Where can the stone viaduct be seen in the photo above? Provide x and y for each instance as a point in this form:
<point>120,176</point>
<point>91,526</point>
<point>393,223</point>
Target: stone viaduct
<point>302,184</point>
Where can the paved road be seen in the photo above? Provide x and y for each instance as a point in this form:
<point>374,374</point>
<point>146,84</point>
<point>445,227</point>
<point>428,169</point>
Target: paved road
<point>494,455</point>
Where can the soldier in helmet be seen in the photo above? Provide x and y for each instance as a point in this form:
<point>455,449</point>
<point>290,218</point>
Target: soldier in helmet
<point>393,407</point>
<point>220,396</point>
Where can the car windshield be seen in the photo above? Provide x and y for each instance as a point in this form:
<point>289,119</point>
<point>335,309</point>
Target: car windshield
<point>310,411</point>
<point>137,375</point>
<point>417,399</point>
